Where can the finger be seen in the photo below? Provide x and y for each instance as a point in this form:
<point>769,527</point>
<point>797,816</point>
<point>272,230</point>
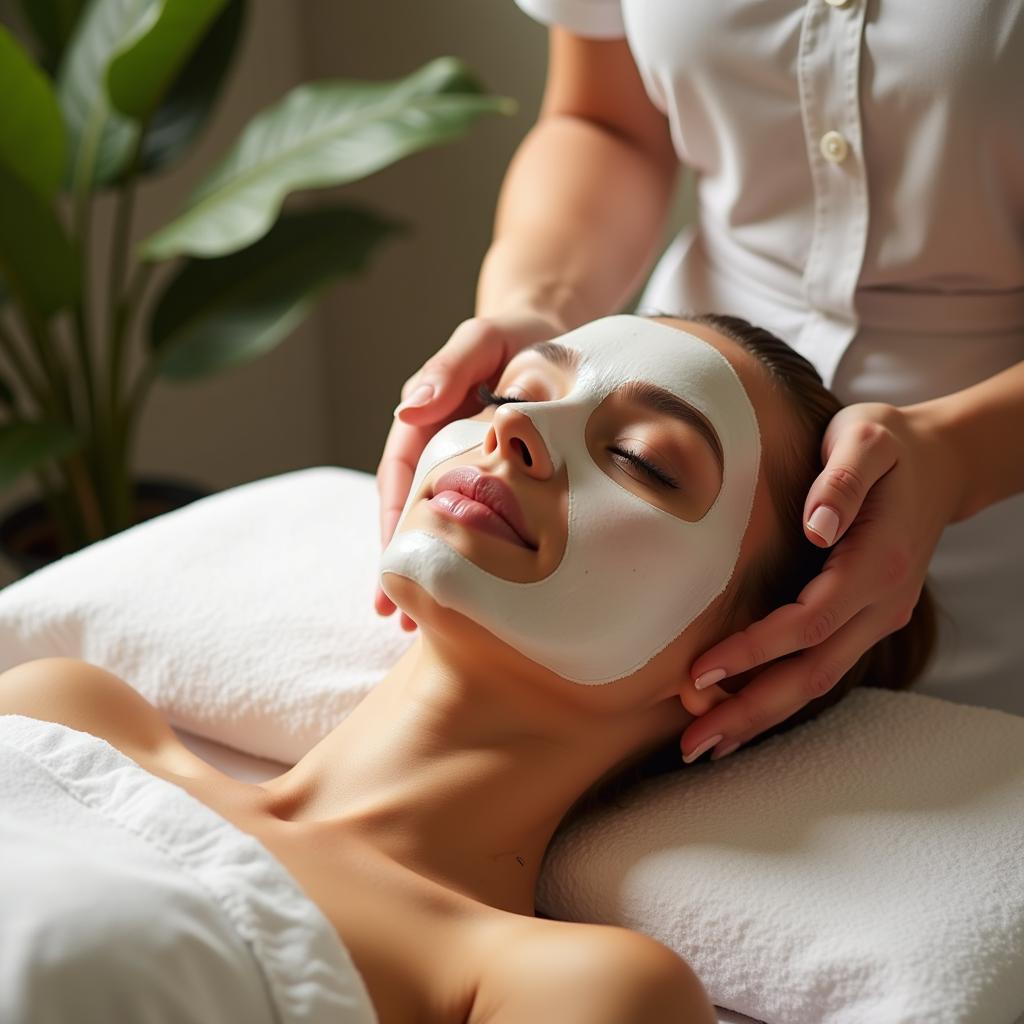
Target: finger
<point>408,624</point>
<point>782,689</point>
<point>475,352</point>
<point>846,584</point>
<point>860,455</point>
<point>395,472</point>
<point>383,604</point>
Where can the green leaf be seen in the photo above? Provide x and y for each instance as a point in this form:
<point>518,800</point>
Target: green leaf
<point>321,134</point>
<point>194,92</point>
<point>36,257</point>
<point>220,313</point>
<point>141,71</point>
<point>100,139</point>
<point>31,130</point>
<point>52,21</point>
<point>27,443</point>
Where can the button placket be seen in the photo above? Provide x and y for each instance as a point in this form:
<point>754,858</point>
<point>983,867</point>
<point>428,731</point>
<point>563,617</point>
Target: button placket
<point>828,70</point>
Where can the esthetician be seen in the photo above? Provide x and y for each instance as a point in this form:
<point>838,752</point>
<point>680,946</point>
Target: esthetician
<point>860,193</point>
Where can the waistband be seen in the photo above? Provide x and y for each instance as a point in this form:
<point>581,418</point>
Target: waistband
<point>910,309</point>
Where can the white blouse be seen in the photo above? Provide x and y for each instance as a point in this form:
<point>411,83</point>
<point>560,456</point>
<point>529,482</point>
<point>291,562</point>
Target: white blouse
<point>860,192</point>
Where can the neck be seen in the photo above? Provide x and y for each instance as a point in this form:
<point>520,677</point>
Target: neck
<point>464,773</point>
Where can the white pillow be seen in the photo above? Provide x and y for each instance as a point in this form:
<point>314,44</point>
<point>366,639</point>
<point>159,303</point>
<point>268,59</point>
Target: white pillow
<point>246,617</point>
<point>867,866</point>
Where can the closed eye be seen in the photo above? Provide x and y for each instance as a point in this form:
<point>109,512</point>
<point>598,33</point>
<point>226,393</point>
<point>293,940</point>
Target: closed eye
<point>648,467</point>
<point>488,397</point>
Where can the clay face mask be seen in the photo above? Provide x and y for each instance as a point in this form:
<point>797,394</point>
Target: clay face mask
<point>632,576</point>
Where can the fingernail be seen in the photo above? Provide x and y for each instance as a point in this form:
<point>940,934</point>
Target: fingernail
<point>705,746</point>
<point>727,749</point>
<point>423,394</point>
<point>709,678</point>
<point>824,522</point>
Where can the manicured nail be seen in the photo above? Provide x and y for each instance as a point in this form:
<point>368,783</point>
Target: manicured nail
<point>725,750</point>
<point>709,678</point>
<point>704,747</point>
<point>824,522</point>
<point>423,394</point>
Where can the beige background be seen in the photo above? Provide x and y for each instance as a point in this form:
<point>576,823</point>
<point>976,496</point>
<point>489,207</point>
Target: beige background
<point>325,396</point>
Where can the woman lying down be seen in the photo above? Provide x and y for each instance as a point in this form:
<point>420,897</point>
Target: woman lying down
<point>643,482</point>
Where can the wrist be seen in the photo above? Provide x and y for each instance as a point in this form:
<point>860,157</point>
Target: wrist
<point>942,421</point>
<point>506,289</point>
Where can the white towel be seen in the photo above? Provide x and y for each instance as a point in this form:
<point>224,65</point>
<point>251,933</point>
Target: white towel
<point>126,899</point>
<point>864,868</point>
<point>246,617</point>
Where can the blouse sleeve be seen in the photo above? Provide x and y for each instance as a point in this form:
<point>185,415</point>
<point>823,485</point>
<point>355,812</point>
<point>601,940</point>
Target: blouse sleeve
<point>595,19</point>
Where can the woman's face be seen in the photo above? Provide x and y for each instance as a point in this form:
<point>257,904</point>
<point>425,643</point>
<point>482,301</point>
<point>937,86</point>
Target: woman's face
<point>621,484</point>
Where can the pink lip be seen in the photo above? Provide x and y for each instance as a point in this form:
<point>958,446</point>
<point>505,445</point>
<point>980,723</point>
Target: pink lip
<point>493,494</point>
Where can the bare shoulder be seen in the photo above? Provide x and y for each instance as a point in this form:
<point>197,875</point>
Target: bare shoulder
<point>588,974</point>
<point>88,698</point>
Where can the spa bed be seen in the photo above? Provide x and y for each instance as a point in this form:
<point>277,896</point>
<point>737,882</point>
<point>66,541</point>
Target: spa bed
<point>865,868</point>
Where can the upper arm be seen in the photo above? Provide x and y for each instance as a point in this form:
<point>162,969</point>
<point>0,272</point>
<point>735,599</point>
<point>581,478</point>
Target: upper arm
<point>592,974</point>
<point>598,80</point>
<point>88,698</point>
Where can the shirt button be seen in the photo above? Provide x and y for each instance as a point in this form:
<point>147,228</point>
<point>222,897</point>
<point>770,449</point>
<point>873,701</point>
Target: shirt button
<point>834,147</point>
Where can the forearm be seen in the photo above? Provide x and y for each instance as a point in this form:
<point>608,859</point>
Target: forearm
<point>580,219</point>
<point>984,426</point>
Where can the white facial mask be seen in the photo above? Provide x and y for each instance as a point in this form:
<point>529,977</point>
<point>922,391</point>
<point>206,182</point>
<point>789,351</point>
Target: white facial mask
<point>632,576</point>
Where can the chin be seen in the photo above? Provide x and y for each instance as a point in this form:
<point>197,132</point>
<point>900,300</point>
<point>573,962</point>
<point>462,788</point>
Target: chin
<point>422,607</point>
<point>454,631</point>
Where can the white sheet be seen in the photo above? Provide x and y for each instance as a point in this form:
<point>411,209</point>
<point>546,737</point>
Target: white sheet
<point>125,899</point>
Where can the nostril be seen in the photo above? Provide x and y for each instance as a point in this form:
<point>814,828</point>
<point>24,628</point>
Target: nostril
<point>527,458</point>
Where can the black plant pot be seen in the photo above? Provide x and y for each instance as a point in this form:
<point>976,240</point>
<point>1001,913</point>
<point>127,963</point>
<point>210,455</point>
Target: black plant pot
<point>28,538</point>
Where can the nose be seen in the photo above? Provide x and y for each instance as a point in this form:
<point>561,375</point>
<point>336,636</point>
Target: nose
<point>517,439</point>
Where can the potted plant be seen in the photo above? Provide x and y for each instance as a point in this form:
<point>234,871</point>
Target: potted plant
<point>121,89</point>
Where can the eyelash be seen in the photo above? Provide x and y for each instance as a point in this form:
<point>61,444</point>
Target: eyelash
<point>488,397</point>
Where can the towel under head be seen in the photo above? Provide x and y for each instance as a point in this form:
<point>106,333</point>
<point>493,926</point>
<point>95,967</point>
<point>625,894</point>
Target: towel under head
<point>864,868</point>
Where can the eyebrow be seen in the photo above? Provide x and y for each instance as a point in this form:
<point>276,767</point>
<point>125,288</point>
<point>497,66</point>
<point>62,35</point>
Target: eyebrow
<point>642,392</point>
<point>566,358</point>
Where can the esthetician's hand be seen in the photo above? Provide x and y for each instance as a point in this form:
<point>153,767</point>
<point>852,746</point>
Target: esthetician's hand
<point>891,484</point>
<point>443,390</point>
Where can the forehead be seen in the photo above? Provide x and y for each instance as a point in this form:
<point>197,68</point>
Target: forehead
<point>615,350</point>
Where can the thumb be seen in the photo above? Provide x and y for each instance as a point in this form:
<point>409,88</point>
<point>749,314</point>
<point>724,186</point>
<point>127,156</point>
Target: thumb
<point>475,352</point>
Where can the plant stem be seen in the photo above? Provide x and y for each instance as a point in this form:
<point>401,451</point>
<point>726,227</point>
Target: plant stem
<point>83,334</point>
<point>82,485</point>
<point>52,365</point>
<point>35,387</point>
<point>120,413</point>
<point>117,303</point>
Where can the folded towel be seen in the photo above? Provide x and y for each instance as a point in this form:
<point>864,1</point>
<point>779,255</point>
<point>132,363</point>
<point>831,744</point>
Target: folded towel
<point>246,617</point>
<point>126,899</point>
<point>864,868</point>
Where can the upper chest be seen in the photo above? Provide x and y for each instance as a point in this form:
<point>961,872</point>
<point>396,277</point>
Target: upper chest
<point>422,950</point>
<point>777,54</point>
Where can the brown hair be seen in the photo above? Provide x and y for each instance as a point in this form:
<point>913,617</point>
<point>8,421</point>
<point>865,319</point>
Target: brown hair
<point>783,571</point>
